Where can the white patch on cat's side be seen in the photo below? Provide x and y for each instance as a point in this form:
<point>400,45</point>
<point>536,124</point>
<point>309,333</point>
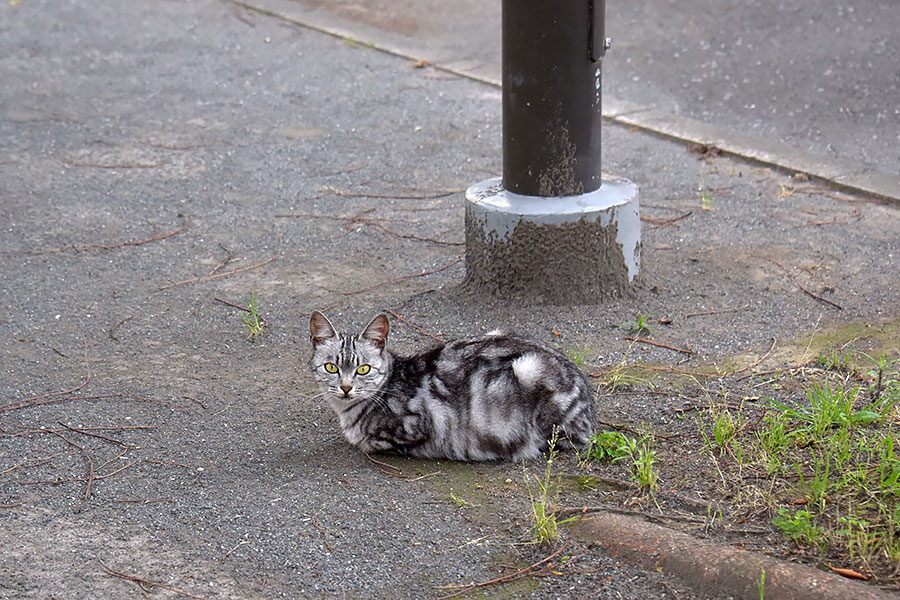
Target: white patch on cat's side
<point>528,369</point>
<point>564,401</point>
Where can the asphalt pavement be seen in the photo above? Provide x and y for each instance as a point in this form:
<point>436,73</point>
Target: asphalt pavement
<point>161,166</point>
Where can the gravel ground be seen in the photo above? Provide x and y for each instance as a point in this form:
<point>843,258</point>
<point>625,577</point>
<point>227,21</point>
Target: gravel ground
<point>148,160</point>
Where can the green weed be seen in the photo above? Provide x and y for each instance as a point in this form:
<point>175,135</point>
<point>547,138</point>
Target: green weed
<point>705,193</point>
<point>578,355</point>
<point>838,451</point>
<point>545,526</point>
<point>837,360</point>
<point>726,424</point>
<point>623,376</point>
<point>814,487</point>
<point>645,473</point>
<point>253,323</point>
<point>828,407</point>
<point>638,326</point>
<point>460,502</point>
<point>773,440</point>
<point>614,446</point>
<point>800,527</point>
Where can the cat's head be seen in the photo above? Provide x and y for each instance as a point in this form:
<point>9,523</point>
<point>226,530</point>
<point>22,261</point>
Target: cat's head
<point>349,368</point>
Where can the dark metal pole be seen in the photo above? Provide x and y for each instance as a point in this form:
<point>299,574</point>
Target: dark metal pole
<point>551,96</point>
<point>552,229</point>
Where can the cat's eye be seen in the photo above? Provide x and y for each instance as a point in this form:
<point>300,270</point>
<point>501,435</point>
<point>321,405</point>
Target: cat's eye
<point>363,369</point>
<point>331,367</point>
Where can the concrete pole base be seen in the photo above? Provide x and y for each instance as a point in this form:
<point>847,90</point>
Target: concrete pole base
<point>553,250</point>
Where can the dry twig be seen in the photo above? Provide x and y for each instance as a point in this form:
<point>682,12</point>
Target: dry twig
<point>239,544</point>
<point>70,246</point>
<point>112,330</point>
<point>227,273</point>
<point>666,222</point>
<point>657,344</point>
<point>226,303</point>
<point>329,307</point>
<point>414,326</point>
<point>90,479</point>
<point>146,582</point>
<point>358,219</point>
<point>528,571</point>
<point>717,312</point>
<point>839,219</point>
<point>402,278</point>
<point>800,285</point>
<point>425,196</point>
<point>225,262</point>
<point>32,400</point>
<point>75,163</point>
<point>762,358</point>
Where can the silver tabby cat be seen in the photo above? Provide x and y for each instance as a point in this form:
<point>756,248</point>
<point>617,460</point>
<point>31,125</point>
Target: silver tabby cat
<point>494,397</point>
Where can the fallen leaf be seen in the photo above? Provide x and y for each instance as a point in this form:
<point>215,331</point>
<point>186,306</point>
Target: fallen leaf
<point>849,573</point>
<point>704,149</point>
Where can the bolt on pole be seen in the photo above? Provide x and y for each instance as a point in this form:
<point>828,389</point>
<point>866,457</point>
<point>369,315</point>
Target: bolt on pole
<point>554,229</point>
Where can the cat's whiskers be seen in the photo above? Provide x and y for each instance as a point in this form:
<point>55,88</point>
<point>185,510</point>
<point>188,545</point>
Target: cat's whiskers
<point>317,397</point>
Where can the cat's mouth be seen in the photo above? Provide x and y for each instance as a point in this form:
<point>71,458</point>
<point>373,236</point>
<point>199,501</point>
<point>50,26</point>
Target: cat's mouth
<point>347,395</point>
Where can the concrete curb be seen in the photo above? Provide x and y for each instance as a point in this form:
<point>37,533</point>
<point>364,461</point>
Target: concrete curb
<point>841,173</point>
<point>711,568</point>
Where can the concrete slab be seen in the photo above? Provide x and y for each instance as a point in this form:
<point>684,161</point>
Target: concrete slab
<point>718,77</point>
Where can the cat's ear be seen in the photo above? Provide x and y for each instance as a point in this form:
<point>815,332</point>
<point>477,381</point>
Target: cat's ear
<point>376,331</point>
<point>320,328</point>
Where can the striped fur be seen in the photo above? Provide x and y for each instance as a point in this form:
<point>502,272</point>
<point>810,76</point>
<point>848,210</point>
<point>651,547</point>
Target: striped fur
<point>494,397</point>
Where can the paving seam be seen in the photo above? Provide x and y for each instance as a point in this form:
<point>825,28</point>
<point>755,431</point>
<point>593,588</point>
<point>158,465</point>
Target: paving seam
<point>842,174</point>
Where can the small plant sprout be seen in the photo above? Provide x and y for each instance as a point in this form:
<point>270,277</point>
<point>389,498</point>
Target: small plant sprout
<point>800,527</point>
<point>645,473</point>
<point>544,527</point>
<point>638,326</point>
<point>578,355</point>
<point>837,360</point>
<point>623,376</point>
<point>705,199</point>
<point>705,194</point>
<point>253,323</point>
<point>460,503</point>
<point>726,425</point>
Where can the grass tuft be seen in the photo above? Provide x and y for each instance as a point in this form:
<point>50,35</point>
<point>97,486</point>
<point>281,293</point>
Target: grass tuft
<point>543,492</point>
<point>835,451</point>
<point>253,323</point>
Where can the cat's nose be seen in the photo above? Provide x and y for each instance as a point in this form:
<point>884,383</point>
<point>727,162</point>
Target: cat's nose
<point>346,389</point>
